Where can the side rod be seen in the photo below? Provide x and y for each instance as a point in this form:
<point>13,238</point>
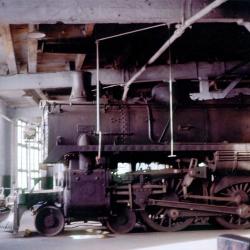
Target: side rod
<point>195,206</point>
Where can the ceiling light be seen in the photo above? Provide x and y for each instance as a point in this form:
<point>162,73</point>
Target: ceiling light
<point>36,35</point>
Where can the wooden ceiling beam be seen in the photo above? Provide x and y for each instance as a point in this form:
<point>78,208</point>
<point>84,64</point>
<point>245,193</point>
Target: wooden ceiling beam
<point>5,33</point>
<point>37,94</point>
<point>32,52</point>
<point>87,32</point>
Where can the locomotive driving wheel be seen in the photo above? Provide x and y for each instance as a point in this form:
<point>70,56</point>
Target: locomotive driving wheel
<point>122,220</point>
<point>241,192</point>
<point>49,221</point>
<point>166,219</point>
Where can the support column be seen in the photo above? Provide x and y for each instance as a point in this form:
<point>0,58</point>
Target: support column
<point>5,147</point>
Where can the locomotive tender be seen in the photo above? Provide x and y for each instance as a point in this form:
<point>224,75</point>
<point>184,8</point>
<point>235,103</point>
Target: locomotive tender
<point>207,181</point>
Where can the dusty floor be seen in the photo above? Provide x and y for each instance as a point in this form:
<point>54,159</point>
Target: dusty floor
<point>90,237</point>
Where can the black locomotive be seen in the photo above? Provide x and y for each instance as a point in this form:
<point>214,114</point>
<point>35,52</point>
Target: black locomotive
<point>208,180</point>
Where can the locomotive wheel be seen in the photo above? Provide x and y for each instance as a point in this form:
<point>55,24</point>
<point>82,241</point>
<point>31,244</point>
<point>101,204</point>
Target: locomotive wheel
<point>123,221</point>
<point>49,221</point>
<point>164,219</point>
<point>241,190</point>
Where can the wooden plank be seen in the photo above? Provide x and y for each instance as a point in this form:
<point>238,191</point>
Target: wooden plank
<point>55,57</point>
<point>52,68</point>
<point>57,60</point>
<point>79,61</point>
<point>5,33</point>
<point>32,52</point>
<point>54,62</point>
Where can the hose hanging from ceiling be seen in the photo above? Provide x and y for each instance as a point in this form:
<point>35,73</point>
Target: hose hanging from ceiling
<point>171,121</point>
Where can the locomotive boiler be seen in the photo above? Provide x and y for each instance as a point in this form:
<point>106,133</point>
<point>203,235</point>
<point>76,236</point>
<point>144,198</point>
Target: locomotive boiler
<point>207,181</point>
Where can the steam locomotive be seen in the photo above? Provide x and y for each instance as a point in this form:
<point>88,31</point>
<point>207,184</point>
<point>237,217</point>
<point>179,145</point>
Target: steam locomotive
<point>208,180</point>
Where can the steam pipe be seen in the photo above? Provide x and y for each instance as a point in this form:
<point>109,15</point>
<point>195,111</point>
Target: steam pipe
<point>178,32</point>
<point>98,124</point>
<point>97,89</point>
<point>171,117</point>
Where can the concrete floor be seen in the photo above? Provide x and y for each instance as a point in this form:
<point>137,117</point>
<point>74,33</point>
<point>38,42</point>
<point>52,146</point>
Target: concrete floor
<point>90,237</point>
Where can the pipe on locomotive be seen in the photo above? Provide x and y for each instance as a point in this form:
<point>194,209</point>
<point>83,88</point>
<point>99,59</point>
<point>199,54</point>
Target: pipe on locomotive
<point>98,122</point>
<point>171,113</point>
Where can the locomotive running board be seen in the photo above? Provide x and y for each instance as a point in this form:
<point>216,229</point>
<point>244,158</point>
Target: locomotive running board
<point>58,151</point>
<point>241,211</point>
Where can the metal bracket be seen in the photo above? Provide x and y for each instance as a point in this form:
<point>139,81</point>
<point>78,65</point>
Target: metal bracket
<point>205,94</point>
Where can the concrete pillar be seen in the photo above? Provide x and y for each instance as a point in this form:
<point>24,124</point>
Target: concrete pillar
<point>6,129</point>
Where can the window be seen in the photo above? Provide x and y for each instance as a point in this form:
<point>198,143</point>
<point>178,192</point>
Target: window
<point>29,154</point>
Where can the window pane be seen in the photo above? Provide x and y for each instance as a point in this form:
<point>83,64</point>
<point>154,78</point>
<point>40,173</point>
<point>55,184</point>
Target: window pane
<point>29,154</point>
<point>19,179</point>
<point>24,158</point>
<point>19,157</point>
<point>19,134</point>
<point>36,160</point>
<point>31,160</point>
<point>24,180</point>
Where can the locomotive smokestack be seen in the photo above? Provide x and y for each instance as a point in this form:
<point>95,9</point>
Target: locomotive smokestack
<point>78,93</point>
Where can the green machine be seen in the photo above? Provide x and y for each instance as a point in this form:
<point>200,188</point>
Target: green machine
<point>13,207</point>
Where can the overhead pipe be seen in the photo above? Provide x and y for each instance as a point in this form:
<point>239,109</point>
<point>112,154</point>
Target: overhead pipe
<point>178,32</point>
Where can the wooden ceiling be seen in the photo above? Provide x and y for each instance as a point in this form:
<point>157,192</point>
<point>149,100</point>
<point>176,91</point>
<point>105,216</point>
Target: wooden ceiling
<point>21,54</point>
<point>71,47</point>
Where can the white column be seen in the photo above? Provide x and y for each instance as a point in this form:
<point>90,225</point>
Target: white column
<point>6,126</point>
